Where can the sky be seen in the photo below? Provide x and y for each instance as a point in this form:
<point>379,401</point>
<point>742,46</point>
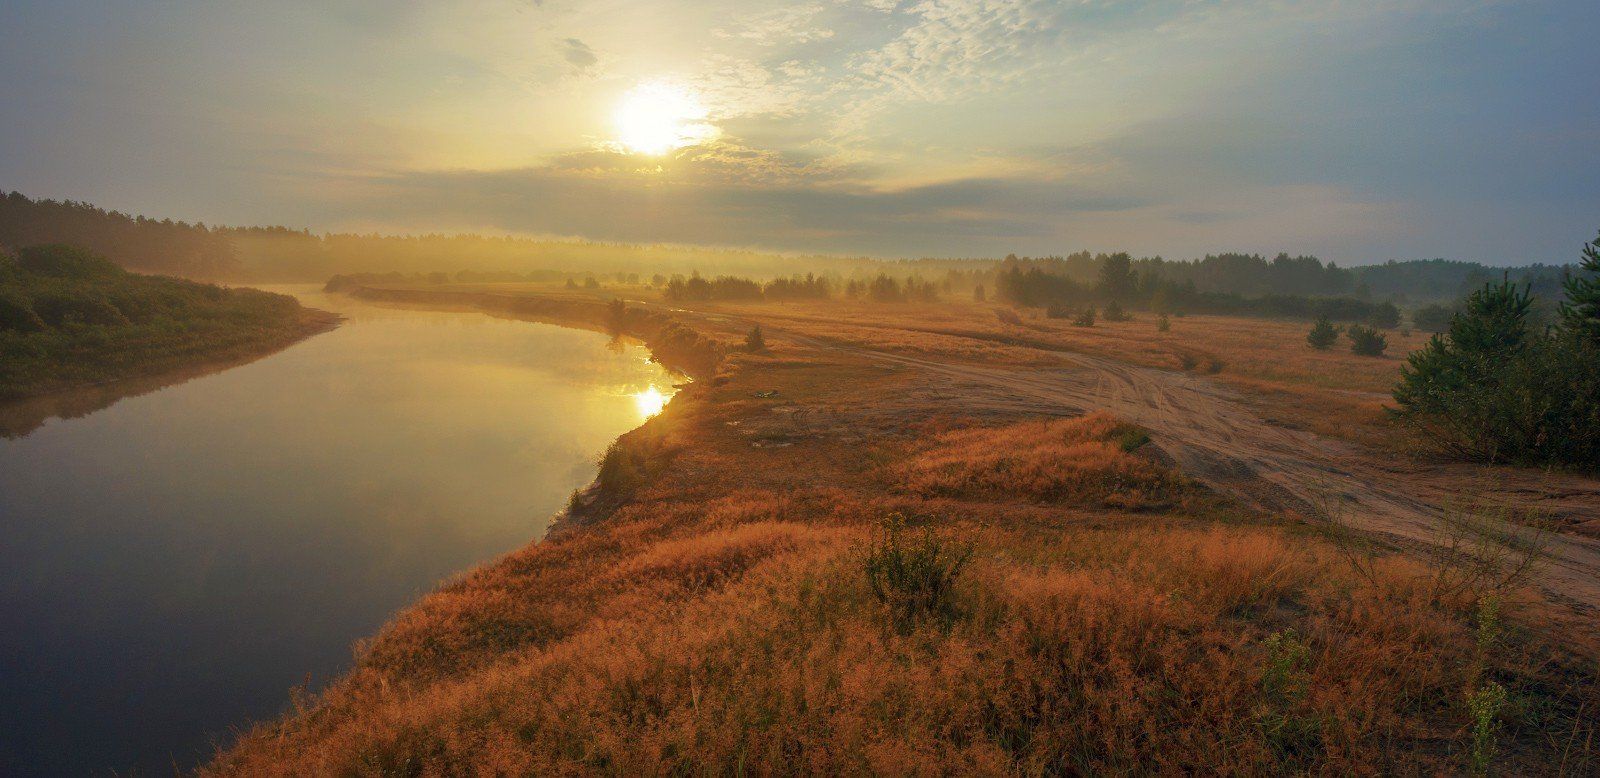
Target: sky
<point>1356,130</point>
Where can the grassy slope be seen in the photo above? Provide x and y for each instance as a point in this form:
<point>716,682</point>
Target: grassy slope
<point>71,320</point>
<point>1113,616</point>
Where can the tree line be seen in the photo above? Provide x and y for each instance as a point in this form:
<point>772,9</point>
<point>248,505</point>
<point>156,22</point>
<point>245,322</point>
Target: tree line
<point>1120,279</point>
<point>1218,283</point>
<point>134,242</point>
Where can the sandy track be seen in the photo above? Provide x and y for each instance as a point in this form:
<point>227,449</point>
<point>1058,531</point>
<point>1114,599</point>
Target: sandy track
<point>1215,437</point>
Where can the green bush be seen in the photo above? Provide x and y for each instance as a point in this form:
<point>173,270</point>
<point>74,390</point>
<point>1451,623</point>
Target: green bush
<point>1366,341</point>
<point>1384,316</point>
<point>1322,334</point>
<point>17,314</point>
<point>1085,319</point>
<point>61,307</point>
<point>1293,732</point>
<point>1434,317</point>
<point>915,578</point>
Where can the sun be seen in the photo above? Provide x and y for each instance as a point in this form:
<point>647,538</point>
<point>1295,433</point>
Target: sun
<point>656,117</point>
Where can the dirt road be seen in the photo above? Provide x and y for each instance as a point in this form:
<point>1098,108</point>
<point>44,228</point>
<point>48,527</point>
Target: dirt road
<point>1213,434</point>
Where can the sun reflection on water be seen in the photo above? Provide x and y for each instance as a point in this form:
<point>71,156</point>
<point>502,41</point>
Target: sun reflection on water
<point>650,401</point>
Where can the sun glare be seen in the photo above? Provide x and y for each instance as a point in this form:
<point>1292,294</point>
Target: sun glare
<point>650,401</point>
<point>657,117</point>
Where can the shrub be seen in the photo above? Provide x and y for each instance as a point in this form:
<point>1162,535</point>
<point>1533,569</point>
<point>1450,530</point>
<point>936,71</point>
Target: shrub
<point>1433,318</point>
<point>1163,323</point>
<point>1484,706</point>
<point>59,307</point>
<point>754,341</point>
<point>1057,311</point>
<point>1366,341</point>
<point>978,294</point>
<point>914,578</point>
<point>1114,312</point>
<point>17,314</point>
<point>1384,316</point>
<point>1008,316</point>
<point>1322,334</point>
<point>1285,685</point>
<point>1084,319</point>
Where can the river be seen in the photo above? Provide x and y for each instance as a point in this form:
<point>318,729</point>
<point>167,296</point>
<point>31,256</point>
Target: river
<point>171,565</point>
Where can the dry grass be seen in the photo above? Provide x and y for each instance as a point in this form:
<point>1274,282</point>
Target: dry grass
<point>1082,461</point>
<point>762,649</point>
<point>1330,392</point>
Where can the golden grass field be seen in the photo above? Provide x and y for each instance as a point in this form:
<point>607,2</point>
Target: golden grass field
<point>1114,615</point>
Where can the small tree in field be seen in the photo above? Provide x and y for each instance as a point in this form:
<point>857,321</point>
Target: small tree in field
<point>1114,312</point>
<point>1322,334</point>
<point>1494,388</point>
<point>1458,389</point>
<point>1366,341</point>
<point>1085,319</point>
<point>978,294</point>
<point>1163,323</point>
<point>754,341</point>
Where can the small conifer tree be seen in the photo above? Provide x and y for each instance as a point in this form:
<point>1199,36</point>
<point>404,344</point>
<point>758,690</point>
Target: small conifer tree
<point>1580,312</point>
<point>1366,341</point>
<point>1322,334</point>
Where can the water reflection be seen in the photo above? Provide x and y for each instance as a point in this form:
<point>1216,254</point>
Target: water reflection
<point>650,401</point>
<point>172,565</point>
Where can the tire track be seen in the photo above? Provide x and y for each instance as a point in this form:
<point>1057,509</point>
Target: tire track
<point>1212,434</point>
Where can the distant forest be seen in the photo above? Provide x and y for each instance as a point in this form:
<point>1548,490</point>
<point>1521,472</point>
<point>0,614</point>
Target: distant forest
<point>283,254</point>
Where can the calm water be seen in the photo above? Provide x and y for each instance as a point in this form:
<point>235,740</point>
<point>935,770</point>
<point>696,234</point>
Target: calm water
<point>170,566</point>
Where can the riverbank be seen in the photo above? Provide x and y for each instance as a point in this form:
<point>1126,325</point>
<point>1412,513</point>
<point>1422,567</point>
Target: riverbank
<point>1107,613</point>
<point>72,322</point>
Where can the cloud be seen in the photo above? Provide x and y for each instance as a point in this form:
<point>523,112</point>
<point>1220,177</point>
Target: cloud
<point>788,24</point>
<point>578,55</point>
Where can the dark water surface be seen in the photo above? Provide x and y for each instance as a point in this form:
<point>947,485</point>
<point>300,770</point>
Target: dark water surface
<point>171,565</point>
